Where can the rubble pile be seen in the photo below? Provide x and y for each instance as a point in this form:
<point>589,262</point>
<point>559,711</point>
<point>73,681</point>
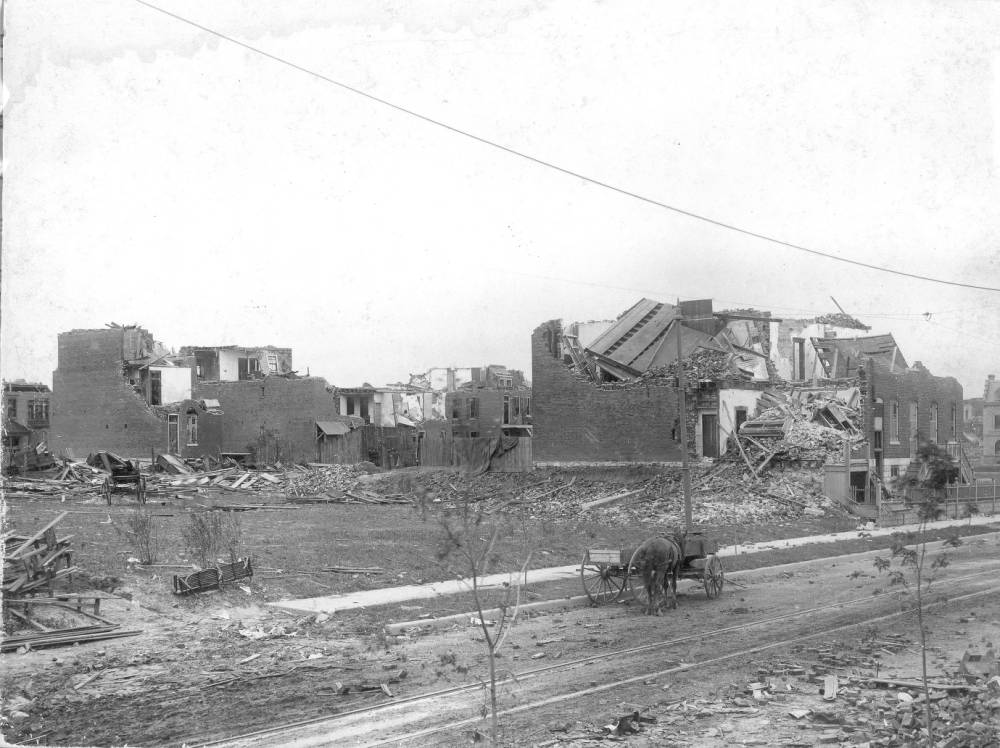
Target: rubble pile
<point>801,425</point>
<point>721,494</point>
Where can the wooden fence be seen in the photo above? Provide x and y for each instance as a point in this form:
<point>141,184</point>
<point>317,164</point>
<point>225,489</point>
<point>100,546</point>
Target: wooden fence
<point>476,453</point>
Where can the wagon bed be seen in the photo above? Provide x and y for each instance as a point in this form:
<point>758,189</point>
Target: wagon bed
<point>608,573</point>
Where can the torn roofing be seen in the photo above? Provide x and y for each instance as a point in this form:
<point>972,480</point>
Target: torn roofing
<point>637,331</point>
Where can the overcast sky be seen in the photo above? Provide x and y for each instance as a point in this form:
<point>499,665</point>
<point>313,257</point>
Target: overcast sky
<point>157,174</point>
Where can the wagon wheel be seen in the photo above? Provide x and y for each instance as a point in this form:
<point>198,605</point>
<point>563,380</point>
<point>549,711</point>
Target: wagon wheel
<point>715,577</point>
<point>140,489</point>
<point>600,581</point>
<point>635,583</point>
<point>106,488</point>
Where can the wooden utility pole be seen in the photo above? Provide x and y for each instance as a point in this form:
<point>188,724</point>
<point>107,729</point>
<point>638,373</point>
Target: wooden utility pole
<point>682,410</point>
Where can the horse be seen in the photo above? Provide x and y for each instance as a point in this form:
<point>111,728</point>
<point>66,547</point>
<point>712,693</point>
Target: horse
<point>658,561</point>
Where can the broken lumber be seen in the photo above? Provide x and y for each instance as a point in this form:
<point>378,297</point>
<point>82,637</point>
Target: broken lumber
<point>611,499</point>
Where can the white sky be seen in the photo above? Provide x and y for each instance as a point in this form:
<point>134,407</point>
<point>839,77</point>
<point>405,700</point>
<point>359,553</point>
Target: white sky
<point>158,175</point>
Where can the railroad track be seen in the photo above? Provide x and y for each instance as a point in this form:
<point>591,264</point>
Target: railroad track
<point>401,720</point>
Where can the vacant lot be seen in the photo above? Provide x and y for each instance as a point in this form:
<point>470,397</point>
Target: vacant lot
<point>221,663</point>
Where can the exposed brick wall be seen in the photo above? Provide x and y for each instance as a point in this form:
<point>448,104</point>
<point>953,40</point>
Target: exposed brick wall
<point>575,420</point>
<point>920,386</point>
<point>93,408</point>
<point>490,420</point>
<point>274,415</point>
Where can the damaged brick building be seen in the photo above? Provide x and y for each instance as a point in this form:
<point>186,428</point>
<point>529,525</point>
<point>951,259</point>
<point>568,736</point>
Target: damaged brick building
<point>606,392</point>
<point>118,389</point>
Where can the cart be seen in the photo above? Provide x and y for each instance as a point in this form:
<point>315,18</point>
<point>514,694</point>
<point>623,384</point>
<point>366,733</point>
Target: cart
<point>122,472</point>
<point>607,574</point>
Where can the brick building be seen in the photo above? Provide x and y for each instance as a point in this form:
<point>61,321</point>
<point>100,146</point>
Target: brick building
<point>604,395</point>
<point>119,390</point>
<point>579,420</point>
<point>26,410</point>
<point>909,406</point>
<point>497,401</point>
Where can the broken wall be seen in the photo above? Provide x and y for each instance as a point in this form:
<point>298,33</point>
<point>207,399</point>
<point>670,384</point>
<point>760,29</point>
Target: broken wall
<point>576,420</point>
<point>782,351</point>
<point>93,408</point>
<point>272,418</point>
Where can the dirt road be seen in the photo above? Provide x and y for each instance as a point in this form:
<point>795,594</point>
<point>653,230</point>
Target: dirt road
<point>573,666</point>
<point>223,667</point>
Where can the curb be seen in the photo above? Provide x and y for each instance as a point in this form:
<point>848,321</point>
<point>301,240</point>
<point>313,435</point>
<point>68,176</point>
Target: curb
<point>748,575</point>
<point>433,623</point>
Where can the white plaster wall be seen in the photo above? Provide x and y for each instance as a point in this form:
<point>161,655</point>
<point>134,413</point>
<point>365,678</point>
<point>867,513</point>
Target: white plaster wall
<point>175,383</point>
<point>229,370</point>
<point>729,401</point>
<point>588,332</point>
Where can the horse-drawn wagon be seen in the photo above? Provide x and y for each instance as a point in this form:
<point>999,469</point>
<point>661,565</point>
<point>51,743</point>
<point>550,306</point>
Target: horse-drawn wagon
<point>610,574</point>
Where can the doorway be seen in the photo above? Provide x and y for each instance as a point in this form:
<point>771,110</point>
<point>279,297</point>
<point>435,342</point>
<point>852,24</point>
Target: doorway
<point>172,433</point>
<point>710,434</point>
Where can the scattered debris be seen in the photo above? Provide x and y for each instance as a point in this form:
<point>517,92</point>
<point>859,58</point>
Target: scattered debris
<point>207,579</point>
<point>30,562</point>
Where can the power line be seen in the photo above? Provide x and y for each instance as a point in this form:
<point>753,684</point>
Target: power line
<point>550,165</point>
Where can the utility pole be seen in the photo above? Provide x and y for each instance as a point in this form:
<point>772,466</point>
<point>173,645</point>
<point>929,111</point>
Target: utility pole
<point>682,410</point>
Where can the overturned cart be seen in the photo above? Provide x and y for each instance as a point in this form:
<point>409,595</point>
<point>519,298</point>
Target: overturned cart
<point>608,574</point>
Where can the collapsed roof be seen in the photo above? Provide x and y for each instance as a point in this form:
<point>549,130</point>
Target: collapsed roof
<point>644,340</point>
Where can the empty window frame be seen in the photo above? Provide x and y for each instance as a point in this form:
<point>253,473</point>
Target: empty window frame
<point>506,408</point>
<point>192,430</point>
<point>456,408</point>
<point>894,422</point>
<point>38,410</point>
<point>473,407</point>
<point>933,435</point>
<point>505,383</point>
<point>155,388</point>
<point>272,363</point>
<point>11,408</point>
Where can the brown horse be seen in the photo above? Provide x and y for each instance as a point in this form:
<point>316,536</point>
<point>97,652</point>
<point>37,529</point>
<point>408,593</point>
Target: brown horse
<point>658,561</point>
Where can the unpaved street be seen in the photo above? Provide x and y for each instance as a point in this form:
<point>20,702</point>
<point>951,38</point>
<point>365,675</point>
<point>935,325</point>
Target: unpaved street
<point>239,668</point>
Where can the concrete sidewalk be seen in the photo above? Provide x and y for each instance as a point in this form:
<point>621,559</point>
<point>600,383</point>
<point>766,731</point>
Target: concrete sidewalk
<point>371,598</point>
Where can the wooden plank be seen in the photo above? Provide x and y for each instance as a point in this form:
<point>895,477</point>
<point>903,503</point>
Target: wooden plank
<point>37,536</point>
<point>611,499</point>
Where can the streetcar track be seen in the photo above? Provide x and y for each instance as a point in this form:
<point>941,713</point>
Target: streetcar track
<point>672,670</point>
<point>396,703</point>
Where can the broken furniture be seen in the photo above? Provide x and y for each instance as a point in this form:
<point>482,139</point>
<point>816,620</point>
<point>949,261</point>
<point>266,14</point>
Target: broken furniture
<point>31,562</point>
<point>122,472</point>
<point>608,573</point>
<point>208,579</point>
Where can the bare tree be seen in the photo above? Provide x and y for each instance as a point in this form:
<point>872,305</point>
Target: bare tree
<point>912,572</point>
<point>469,536</point>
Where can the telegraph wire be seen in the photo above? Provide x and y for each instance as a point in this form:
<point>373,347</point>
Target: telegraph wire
<point>550,165</point>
